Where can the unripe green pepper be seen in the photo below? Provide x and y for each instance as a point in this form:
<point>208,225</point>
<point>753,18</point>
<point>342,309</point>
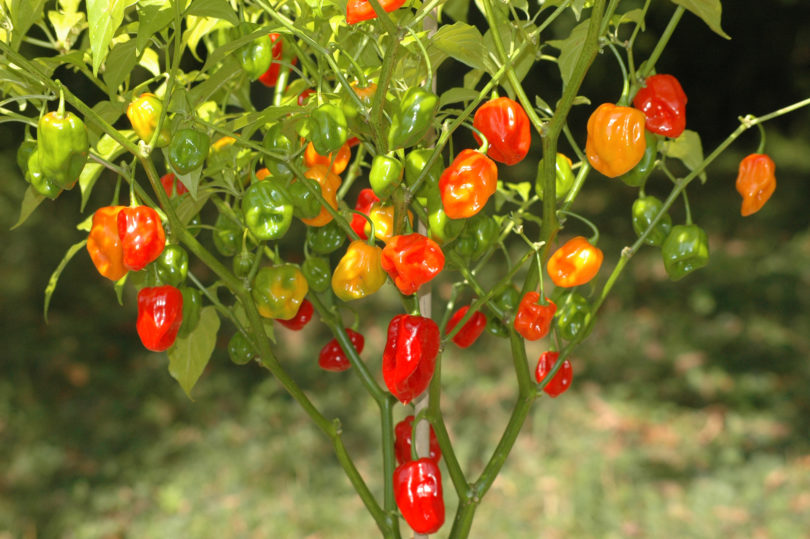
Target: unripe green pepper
<point>325,239</point>
<point>413,118</point>
<point>385,175</point>
<point>507,298</point>
<point>479,233</point>
<point>171,266</point>
<point>442,228</point>
<point>639,173</point>
<point>305,204</point>
<point>188,150</point>
<point>685,249</point>
<point>573,316</point>
<point>192,304</point>
<point>227,235</point>
<point>644,211</point>
<point>239,349</point>
<point>243,262</point>
<point>328,130</point>
<point>38,180</point>
<point>276,141</point>
<point>24,152</point>
<point>256,56</point>
<point>415,163</point>
<point>317,273</point>
<point>564,177</point>
<point>62,147</point>
<point>497,327</point>
<point>279,290</point>
<point>268,213</point>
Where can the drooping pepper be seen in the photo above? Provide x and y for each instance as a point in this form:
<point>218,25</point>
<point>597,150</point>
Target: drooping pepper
<point>361,10</point>
<point>317,272</point>
<point>409,357</point>
<point>639,173</point>
<point>467,184</point>
<point>268,213</point>
<point>562,379</point>
<point>192,307</point>
<point>301,318</point>
<point>685,249</point>
<point>403,442</point>
<point>329,183</point>
<point>359,273</point>
<point>418,493</point>
<point>142,236</point>
<point>365,199</point>
<point>575,263</point>
<point>188,150</point>
<point>663,102</point>
<point>328,128</point>
<point>172,185</point>
<point>385,175</point>
<point>616,141</point>
<point>325,239</point>
<point>227,235</point>
<point>479,233</point>
<point>333,358</point>
<point>278,291</point>
<point>533,320</point>
<point>412,118</point>
<point>573,317</point>
<point>143,114</point>
<point>255,56</point>
<point>756,182</point>
<point>171,267</point>
<point>644,211</point>
<point>160,313</point>
<point>411,261</point>
<point>505,125</point>
<point>470,331</point>
<point>270,77</point>
<point>564,177</point>
<point>62,148</point>
<point>336,162</point>
<point>276,141</point>
<point>239,349</point>
<point>104,243</point>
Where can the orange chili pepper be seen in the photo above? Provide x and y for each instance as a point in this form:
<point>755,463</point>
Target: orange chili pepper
<point>575,263</point>
<point>329,183</point>
<point>341,158</point>
<point>756,182</point>
<point>467,184</point>
<point>616,141</point>
<point>104,244</point>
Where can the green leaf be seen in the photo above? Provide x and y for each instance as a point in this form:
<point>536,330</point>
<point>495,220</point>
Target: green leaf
<point>635,16</point>
<point>708,10</point>
<point>103,18</point>
<point>119,288</point>
<point>189,355</point>
<point>108,149</point>
<point>218,9</point>
<point>462,42</point>
<point>152,19</point>
<point>120,63</point>
<point>570,49</point>
<point>523,189</point>
<point>49,290</point>
<point>23,14</point>
<point>63,23</point>
<point>190,180</point>
<point>31,200</point>
<point>189,207</point>
<point>86,225</point>
<point>688,149</point>
<point>457,9</point>
<point>577,6</point>
<point>455,95</point>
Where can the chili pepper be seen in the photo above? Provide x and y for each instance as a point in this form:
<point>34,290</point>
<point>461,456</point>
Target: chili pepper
<point>24,152</point>
<point>467,184</point>
<point>415,163</point>
<point>301,318</point>
<point>507,299</point>
<point>279,290</point>
<point>325,239</point>
<point>160,313</point>
<point>505,125</point>
<point>357,122</point>
<point>385,175</point>
<point>243,263</point>
<point>226,155</point>
<point>333,358</point>
<point>317,272</point>
<point>411,261</point>
<point>328,128</point>
<point>270,77</point>
<point>403,442</point>
<point>564,177</point>
<point>685,249</point>
<point>142,236</point>
<point>329,184</point>
<point>239,349</point>
<point>277,142</point>
<point>644,211</point>
<point>341,158</point>
<point>470,331</point>
<point>171,266</point>
<point>756,182</point>
<point>192,305</point>
<point>639,173</point>
<point>442,229</point>
<point>188,150</point>
<point>303,96</point>
<point>479,233</point>
<point>573,317</point>
<point>663,102</point>
<point>361,10</point>
<point>305,204</point>
<point>409,357</point>
<point>382,215</point>
<point>38,180</point>
<point>412,118</point>
<point>365,199</point>
<point>172,186</point>
<point>227,235</point>
<point>257,55</point>
<point>143,114</point>
<point>62,147</point>
<point>268,213</point>
<point>418,493</point>
<point>359,273</point>
<point>104,243</point>
<point>575,263</point>
<point>562,379</point>
<point>616,141</point>
<point>497,327</point>
<point>533,320</point>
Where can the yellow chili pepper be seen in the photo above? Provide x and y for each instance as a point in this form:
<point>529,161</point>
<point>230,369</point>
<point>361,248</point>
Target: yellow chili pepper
<point>359,273</point>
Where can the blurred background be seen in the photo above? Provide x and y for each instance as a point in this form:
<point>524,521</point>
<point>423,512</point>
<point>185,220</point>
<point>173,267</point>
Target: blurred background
<point>689,411</point>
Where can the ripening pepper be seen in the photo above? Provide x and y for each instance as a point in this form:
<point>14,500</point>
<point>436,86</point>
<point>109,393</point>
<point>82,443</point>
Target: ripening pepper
<point>385,175</point>
<point>418,493</point>
<point>336,162</point>
<point>382,215</point>
<point>359,273</point>
<point>301,318</point>
<point>160,313</point>
<point>562,379</point>
<point>409,357</point>
<point>685,249</point>
<point>270,77</point>
<point>479,233</point>
<point>532,319</point>
<point>325,239</point>
<point>361,10</point>
<point>104,243</point>
<point>467,184</point>
<point>279,290</point>
<point>227,235</point>
<point>171,266</point>
<point>576,262</point>
<point>470,331</point>
<point>188,150</point>
<point>329,184</point>
<point>62,148</point>
<point>403,442</point>
<point>276,141</point>
<point>412,260</point>
<point>317,272</point>
<point>564,177</point>
<point>412,118</point>
<point>333,358</point>
<point>663,102</point>
<point>644,211</point>
<point>756,182</point>
<point>143,114</point>
<point>365,199</point>
<point>172,185</point>
<point>328,128</point>
<point>505,125</point>
<point>239,349</point>
<point>268,213</point>
<point>255,56</point>
<point>192,307</point>
<point>142,236</point>
<point>573,317</point>
<point>639,173</point>
<point>616,141</point>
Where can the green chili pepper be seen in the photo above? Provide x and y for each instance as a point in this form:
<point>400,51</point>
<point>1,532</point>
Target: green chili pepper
<point>507,298</point>
<point>497,327</point>
<point>188,150</point>
<point>38,180</point>
<point>24,152</point>
<point>385,175</point>
<point>62,147</point>
<point>685,249</point>
<point>317,273</point>
<point>479,233</point>
<point>192,303</point>
<point>239,349</point>
<point>413,118</point>
<point>279,290</point>
<point>328,130</point>
<point>256,56</point>
<point>276,141</point>
<point>644,211</point>
<point>573,316</point>
<point>268,213</point>
<point>415,163</point>
<point>305,204</point>
<point>243,263</point>
<point>564,177</point>
<point>639,173</point>
<point>171,266</point>
<point>227,235</point>
<point>325,239</point>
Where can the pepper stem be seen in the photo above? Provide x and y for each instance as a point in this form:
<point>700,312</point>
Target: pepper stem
<point>484,142</point>
<point>593,239</point>
<point>761,147</point>
<point>61,109</point>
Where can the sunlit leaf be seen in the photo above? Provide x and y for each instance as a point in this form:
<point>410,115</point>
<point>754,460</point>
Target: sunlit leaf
<point>190,354</point>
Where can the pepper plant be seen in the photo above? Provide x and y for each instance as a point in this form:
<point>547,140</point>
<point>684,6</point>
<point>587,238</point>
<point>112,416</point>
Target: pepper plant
<point>235,128</point>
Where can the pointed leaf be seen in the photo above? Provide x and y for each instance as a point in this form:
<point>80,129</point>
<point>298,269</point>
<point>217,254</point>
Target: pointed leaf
<point>462,42</point>
<point>49,290</point>
<point>570,49</point>
<point>189,355</point>
<point>31,200</point>
<point>218,9</point>
<point>688,149</point>
<point>103,19</point>
<point>708,10</point>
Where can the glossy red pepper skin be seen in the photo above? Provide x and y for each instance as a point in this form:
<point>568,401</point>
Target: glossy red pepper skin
<point>403,442</point>
<point>409,357</point>
<point>361,10</point>
<point>332,358</point>
<point>533,320</point>
<point>365,199</point>
<point>470,331</point>
<point>301,318</point>
<point>663,102</point>
<point>412,260</point>
<point>756,182</point>
<point>142,236</point>
<point>172,186</point>
<point>505,125</point>
<point>418,493</point>
<point>467,184</point>
<point>104,243</point>
<point>270,77</point>
<point>561,381</point>
<point>160,314</point>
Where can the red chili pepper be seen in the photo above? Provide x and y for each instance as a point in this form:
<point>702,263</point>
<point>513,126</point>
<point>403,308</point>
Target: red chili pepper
<point>409,357</point>
<point>411,261</point>
<point>756,182</point>
<point>301,318</point>
<point>172,186</point>
<point>533,320</point>
<point>505,125</point>
<point>470,331</point>
<point>467,184</point>
<point>418,493</point>
<point>270,76</point>
<point>561,381</point>
<point>361,10</point>
<point>663,102</point>
<point>353,141</point>
<point>160,314</point>
<point>332,358</point>
<point>142,236</point>
<point>403,434</point>
<point>365,199</point>
<point>303,96</point>
<point>575,263</point>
